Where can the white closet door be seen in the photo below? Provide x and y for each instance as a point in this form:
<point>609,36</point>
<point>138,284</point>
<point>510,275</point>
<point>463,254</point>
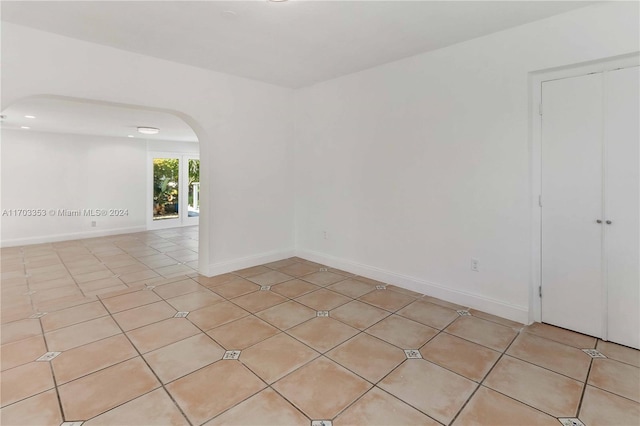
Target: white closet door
<point>622,189</point>
<point>572,290</point>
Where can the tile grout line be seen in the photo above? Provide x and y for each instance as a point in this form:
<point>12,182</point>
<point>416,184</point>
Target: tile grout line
<point>53,373</point>
<point>150,369</point>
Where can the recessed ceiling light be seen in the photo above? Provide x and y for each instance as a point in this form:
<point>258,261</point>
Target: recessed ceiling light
<point>29,116</point>
<point>277,1</point>
<point>148,130</point>
<point>25,127</point>
<point>129,136</point>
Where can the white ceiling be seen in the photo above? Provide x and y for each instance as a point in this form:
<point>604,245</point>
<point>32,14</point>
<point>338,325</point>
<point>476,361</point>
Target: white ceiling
<point>292,44</point>
<point>87,118</point>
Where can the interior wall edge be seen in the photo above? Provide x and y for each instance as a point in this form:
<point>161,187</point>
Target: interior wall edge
<point>231,265</point>
<point>70,236</point>
<point>440,291</point>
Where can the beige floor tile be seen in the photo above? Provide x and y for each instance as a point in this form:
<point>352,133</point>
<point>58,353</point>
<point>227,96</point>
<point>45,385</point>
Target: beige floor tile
<point>130,300</point>
<point>63,303</point>
<point>600,408</point>
<point>216,315</point>
<point>270,278</point>
<point>173,270</point>
<point>402,332</point>
<point>367,356</point>
<point>25,381</point>
<point>280,263</point>
<point>242,333</point>
<point>341,272</point>
<point>129,269</point>
<point>387,300</point>
<point>42,409</point>
<point>152,409</point>
<point>616,377</point>
<point>322,334</point>
<point>21,352</point>
<point>80,334</point>
<point>259,300</point>
<point>323,300</point>
<point>15,313</point>
<point>144,315</point>
<point>56,283</point>
<point>545,390</point>
<point>266,408</point>
<point>196,300</point>
<point>619,353</point>
<point>488,407</point>
<point>444,303</point>
<point>209,391</point>
<point>96,393</point>
<point>359,315</point>
<point>287,315</point>
<point>250,272</point>
<point>482,332</point>
<point>369,280</point>
<point>299,269</point>
<point>87,359</point>
<point>216,280</point>
<point>566,337</point>
<point>352,288</point>
<point>323,278</point>
<point>140,275</point>
<point>102,286</point>
<point>92,276</point>
<point>177,288</point>
<point>159,334</point>
<point>181,358</point>
<point>433,390</point>
<point>429,314</point>
<point>555,356</point>
<point>493,318</point>
<point>460,356</point>
<point>55,294</point>
<point>294,288</point>
<point>378,408</point>
<point>404,291</point>
<point>276,357</point>
<point>236,288</point>
<point>322,388</point>
<point>74,315</point>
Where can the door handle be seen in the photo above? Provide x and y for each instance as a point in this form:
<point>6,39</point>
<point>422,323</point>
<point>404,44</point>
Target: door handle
<point>598,221</point>
<point>609,222</point>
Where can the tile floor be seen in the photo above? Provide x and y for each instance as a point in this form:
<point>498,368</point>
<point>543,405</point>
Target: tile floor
<point>122,331</point>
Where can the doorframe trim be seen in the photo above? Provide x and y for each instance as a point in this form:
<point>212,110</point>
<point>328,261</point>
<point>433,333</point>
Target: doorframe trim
<point>536,78</point>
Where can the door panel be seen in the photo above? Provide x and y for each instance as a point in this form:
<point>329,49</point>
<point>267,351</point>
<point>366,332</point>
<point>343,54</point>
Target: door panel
<point>622,189</point>
<point>572,202</point>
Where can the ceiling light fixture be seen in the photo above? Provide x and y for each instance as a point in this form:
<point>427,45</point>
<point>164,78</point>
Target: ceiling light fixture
<point>129,136</point>
<point>25,127</point>
<point>148,130</point>
<point>29,116</point>
<point>278,1</point>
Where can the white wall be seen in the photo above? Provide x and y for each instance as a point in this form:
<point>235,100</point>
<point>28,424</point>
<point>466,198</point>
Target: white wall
<point>53,171</point>
<point>244,129</point>
<point>415,167</point>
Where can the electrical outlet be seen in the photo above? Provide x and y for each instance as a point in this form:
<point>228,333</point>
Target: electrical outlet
<point>93,223</point>
<point>475,264</point>
<point>324,235</point>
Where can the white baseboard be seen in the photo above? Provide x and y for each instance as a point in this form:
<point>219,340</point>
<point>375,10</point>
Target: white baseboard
<point>70,236</point>
<point>475,301</point>
<point>247,262</point>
